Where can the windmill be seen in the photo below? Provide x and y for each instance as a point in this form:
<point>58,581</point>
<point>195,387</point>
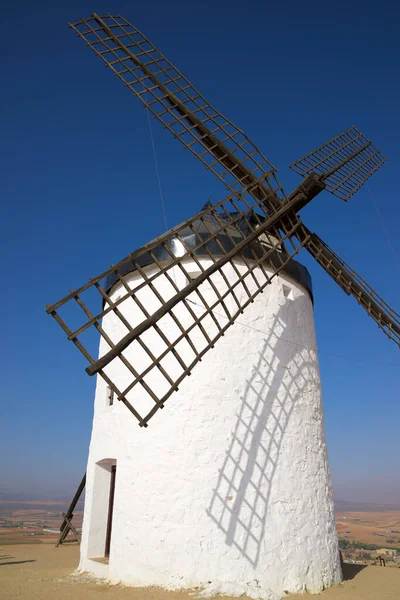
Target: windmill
<point>230,487</point>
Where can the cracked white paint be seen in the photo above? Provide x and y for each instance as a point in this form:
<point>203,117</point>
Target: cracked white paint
<point>228,489</point>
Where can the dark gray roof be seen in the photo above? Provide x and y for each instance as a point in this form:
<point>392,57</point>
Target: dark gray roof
<point>191,236</point>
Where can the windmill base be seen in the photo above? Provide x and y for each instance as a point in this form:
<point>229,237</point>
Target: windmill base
<point>228,489</point>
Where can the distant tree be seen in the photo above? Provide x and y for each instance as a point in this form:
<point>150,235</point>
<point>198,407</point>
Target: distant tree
<point>364,546</point>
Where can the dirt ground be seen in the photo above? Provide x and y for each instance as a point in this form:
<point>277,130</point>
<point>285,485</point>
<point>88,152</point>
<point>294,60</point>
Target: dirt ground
<point>41,572</point>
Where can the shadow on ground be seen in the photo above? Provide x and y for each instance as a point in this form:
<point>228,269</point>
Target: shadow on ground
<point>350,571</point>
<point>13,562</point>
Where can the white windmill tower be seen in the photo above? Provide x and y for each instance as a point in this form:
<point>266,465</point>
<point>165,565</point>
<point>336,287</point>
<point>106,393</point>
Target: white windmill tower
<point>229,489</point>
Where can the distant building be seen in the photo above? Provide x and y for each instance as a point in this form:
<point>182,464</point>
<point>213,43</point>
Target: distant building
<point>386,552</point>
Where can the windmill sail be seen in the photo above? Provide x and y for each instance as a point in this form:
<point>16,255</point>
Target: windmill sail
<point>176,103</point>
<point>354,285</point>
<point>254,226</point>
<point>193,304</point>
<point>345,162</point>
<point>212,138</point>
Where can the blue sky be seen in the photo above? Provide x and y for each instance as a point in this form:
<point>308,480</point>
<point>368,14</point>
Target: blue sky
<point>79,191</point>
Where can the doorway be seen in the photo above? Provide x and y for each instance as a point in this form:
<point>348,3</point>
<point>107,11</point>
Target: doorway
<point>102,510</point>
<point>110,511</point>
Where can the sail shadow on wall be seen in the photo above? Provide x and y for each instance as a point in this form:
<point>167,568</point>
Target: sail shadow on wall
<point>284,374</point>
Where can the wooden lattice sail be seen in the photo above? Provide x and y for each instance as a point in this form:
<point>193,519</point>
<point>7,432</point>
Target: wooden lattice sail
<point>257,224</point>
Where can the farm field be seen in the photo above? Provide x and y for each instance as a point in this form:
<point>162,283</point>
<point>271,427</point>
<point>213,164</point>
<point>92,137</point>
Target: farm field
<point>32,522</point>
<point>381,528</point>
<point>24,522</point>
<point>32,569</point>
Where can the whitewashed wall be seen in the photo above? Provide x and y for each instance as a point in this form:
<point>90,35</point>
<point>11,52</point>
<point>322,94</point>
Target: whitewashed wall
<point>228,488</point>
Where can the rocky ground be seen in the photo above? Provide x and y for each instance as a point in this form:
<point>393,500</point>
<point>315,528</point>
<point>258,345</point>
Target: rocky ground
<point>41,572</point>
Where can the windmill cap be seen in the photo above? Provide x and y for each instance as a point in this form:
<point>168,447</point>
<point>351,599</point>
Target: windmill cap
<point>190,236</point>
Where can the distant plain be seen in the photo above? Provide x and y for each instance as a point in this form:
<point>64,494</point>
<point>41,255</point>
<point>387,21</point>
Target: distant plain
<point>32,569</point>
